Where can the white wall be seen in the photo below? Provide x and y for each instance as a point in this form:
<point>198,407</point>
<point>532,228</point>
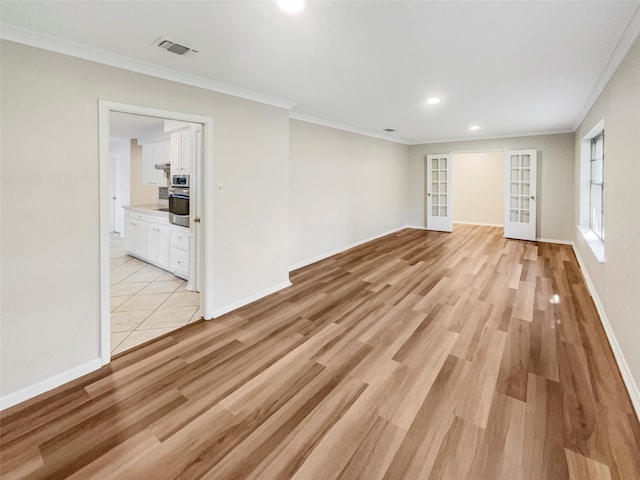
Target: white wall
<point>555,178</point>
<point>50,236</point>
<point>345,188</point>
<point>617,280</point>
<point>478,188</point>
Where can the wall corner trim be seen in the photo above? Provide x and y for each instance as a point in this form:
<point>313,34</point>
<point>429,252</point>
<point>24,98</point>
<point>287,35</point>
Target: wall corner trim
<point>78,50</point>
<point>623,366</point>
<point>250,299</point>
<point>49,384</point>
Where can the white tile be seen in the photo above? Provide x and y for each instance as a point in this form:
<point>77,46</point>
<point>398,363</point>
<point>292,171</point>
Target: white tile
<point>143,275</point>
<point>117,338</point>
<point>141,301</point>
<point>168,317</point>
<point>139,337</point>
<point>161,287</point>
<point>128,321</point>
<point>183,299</point>
<point>115,302</point>
<point>127,288</point>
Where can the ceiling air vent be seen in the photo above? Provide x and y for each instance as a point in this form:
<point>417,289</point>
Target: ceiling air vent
<point>174,47</point>
<point>389,130</point>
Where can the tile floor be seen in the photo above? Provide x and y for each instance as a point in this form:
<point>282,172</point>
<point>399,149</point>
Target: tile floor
<point>146,301</point>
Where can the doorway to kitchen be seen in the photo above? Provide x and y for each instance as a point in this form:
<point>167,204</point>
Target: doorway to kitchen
<point>154,264</point>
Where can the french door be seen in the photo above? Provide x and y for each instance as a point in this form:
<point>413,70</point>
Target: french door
<point>439,207</point>
<point>520,194</point>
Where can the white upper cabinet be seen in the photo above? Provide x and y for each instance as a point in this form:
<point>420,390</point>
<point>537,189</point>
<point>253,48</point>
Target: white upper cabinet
<point>183,150</point>
<point>153,154</point>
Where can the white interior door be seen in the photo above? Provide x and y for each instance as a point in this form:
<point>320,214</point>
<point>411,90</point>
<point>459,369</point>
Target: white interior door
<point>439,205</point>
<point>520,195</point>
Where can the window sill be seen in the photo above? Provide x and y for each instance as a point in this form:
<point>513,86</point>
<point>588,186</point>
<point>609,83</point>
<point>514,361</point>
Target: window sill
<point>595,244</point>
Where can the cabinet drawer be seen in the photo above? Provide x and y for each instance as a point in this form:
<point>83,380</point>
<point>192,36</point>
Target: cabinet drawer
<point>179,263</point>
<point>179,237</point>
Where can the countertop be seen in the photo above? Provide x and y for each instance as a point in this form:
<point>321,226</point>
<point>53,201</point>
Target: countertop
<point>151,209</point>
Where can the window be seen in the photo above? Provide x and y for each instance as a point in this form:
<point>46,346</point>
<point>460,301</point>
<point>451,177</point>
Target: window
<point>596,186</point>
<point>592,190</point>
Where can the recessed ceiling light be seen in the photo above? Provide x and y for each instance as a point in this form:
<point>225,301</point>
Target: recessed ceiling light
<point>292,7</point>
<point>474,127</point>
<point>433,100</point>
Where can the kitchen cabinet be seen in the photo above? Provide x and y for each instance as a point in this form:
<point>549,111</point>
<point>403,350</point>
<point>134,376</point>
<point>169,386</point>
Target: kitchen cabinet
<point>152,154</point>
<point>179,254</point>
<point>157,245</point>
<point>148,238</point>
<point>135,236</point>
<point>183,151</point>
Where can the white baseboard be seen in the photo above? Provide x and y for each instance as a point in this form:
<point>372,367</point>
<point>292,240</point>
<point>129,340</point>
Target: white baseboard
<point>250,299</point>
<point>416,227</point>
<point>333,252</point>
<point>481,224</point>
<point>627,377</point>
<point>49,384</point>
<point>552,240</point>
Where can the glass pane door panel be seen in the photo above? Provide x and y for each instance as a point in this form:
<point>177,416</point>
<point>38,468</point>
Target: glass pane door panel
<point>525,175</point>
<point>443,187</point>
<point>443,164</point>
<point>434,187</point>
<point>524,203</point>
<point>443,200</point>
<point>525,189</point>
<point>526,161</point>
<point>434,211</point>
<point>515,189</point>
<point>524,216</point>
<point>515,202</point>
<point>443,211</point>
<point>434,164</point>
<point>435,176</point>
<point>515,175</point>
<point>515,161</point>
<point>443,176</point>
<point>515,216</point>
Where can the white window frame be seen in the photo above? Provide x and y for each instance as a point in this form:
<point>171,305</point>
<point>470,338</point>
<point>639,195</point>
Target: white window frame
<point>590,236</point>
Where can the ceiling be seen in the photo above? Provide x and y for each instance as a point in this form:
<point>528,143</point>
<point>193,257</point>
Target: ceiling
<point>510,67</point>
<point>125,125</point>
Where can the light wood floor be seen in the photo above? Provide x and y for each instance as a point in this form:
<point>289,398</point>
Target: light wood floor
<point>421,355</point>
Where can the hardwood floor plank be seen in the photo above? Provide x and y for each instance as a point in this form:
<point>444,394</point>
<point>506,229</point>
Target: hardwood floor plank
<point>420,355</point>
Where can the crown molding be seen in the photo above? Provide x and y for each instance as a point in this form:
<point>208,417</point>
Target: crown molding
<point>74,49</point>
<point>625,42</point>
<point>494,137</point>
<point>346,128</point>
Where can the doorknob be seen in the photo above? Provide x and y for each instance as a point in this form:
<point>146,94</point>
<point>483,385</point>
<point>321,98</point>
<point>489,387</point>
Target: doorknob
<point>113,198</point>
<point>196,220</point>
<point>428,194</point>
<point>532,197</point>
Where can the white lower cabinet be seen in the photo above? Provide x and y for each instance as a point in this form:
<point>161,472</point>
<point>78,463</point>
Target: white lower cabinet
<point>148,238</point>
<point>158,245</point>
<point>179,254</point>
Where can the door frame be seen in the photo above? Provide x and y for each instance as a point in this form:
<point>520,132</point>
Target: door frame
<point>205,170</point>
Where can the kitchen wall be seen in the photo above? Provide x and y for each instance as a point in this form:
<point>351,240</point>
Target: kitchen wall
<point>555,178</point>
<point>345,188</point>
<point>478,192</point>
<point>50,263</point>
<point>617,279</point>
<point>140,194</point>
